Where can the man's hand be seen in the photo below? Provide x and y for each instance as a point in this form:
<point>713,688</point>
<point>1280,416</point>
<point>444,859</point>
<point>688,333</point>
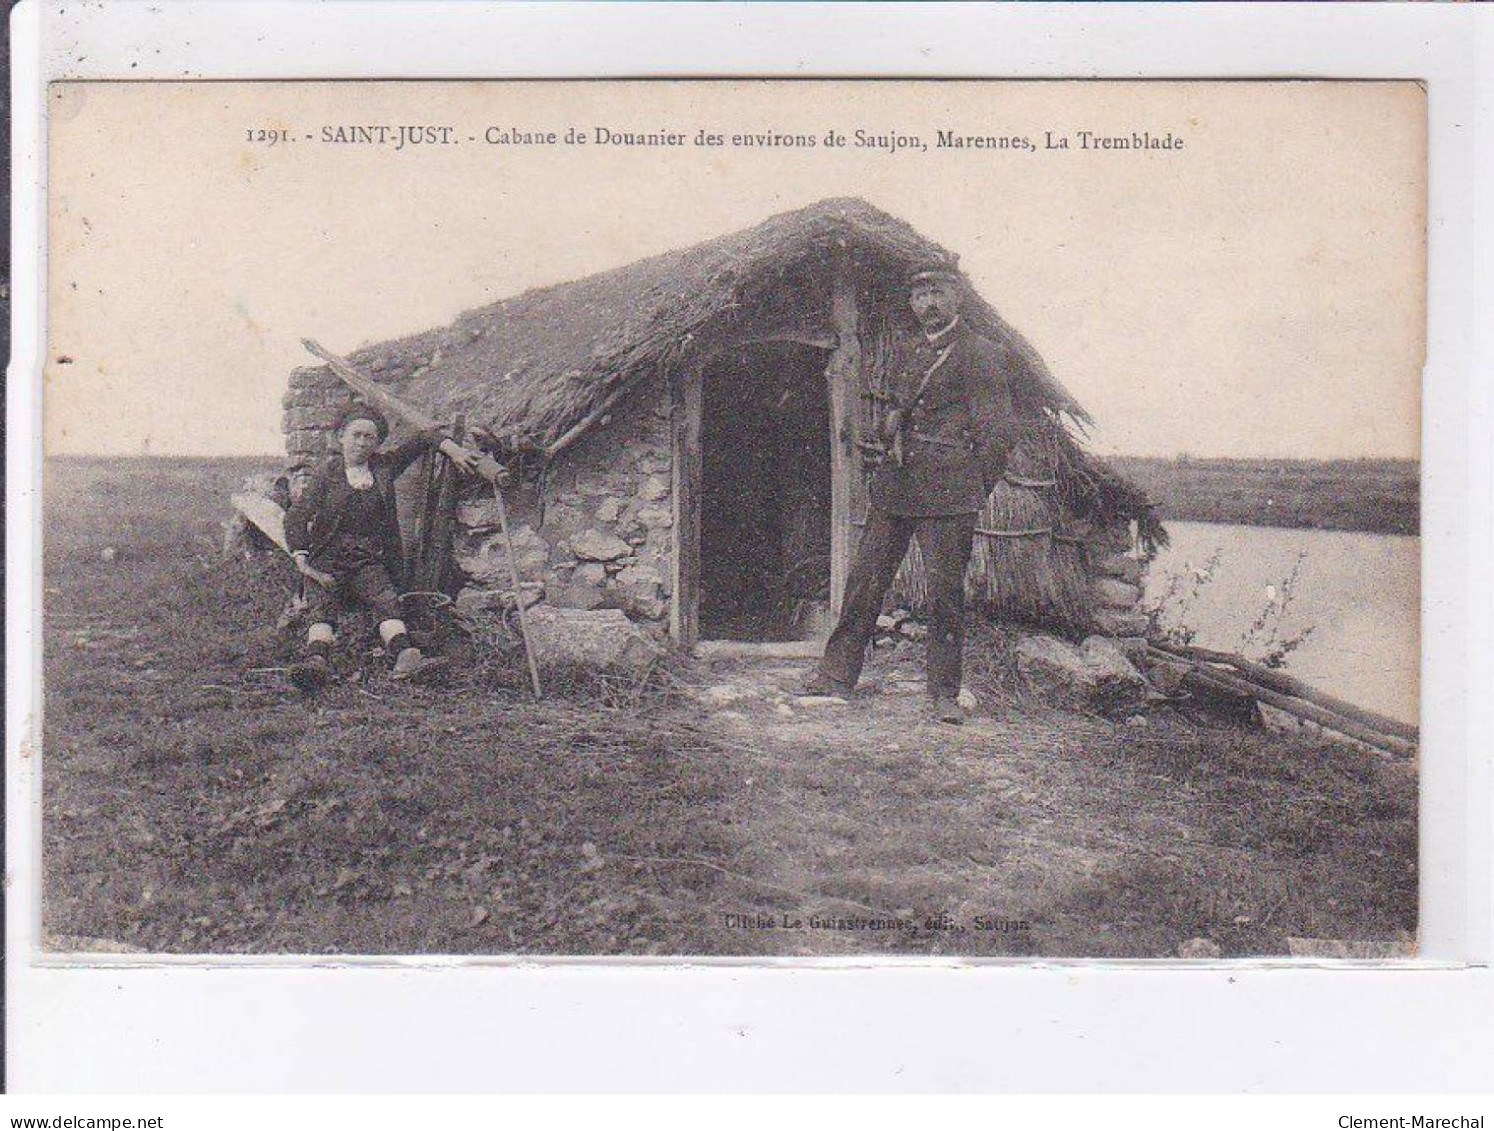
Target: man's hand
<point>464,458</point>
<point>303,564</point>
<point>491,470</point>
<point>887,445</point>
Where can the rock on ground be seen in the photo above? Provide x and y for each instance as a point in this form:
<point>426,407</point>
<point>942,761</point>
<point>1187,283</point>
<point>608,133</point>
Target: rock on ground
<point>604,639</point>
<point>472,602</point>
<point>1114,593</point>
<point>1095,676</point>
<point>1114,622</point>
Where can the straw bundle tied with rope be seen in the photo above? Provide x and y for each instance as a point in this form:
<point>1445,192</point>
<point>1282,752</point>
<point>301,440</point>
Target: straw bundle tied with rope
<point>1024,566</point>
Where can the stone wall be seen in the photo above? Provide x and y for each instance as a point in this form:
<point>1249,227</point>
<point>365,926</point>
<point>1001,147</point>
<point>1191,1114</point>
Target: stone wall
<point>602,535</point>
<point>599,538</point>
<point>311,404</point>
<point>1117,577</point>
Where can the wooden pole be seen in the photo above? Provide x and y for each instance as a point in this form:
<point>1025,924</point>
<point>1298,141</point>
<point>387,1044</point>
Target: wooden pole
<point>686,409</point>
<point>376,394</point>
<point>1295,707</point>
<point>513,573</point>
<point>430,556</point>
<point>1289,685</point>
<point>582,426</point>
<point>844,377</point>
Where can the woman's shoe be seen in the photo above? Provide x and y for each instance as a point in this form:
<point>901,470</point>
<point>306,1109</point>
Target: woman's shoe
<point>411,664</point>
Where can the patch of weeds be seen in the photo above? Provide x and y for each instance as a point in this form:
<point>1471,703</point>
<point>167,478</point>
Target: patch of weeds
<point>1269,639</point>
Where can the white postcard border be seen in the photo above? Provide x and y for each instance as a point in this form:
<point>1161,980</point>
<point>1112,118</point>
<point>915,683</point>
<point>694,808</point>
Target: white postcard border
<point>908,1025</point>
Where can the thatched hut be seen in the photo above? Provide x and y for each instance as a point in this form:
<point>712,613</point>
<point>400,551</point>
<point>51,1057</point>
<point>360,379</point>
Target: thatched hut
<point>686,430</point>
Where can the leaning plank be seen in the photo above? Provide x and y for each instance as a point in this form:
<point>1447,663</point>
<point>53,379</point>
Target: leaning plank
<point>1288,685</point>
<point>377,395</point>
<point>265,514</point>
<point>584,425</point>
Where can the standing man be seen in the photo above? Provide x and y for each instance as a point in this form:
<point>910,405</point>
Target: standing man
<point>944,446</point>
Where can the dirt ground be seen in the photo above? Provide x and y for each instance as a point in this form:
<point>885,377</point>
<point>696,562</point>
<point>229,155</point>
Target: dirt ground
<point>194,803</point>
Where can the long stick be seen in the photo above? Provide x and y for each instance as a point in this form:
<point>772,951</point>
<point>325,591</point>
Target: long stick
<point>582,426</point>
<point>379,395</point>
<point>513,573</point>
<point>392,404</point>
<point>1297,708</point>
<point>1289,685</point>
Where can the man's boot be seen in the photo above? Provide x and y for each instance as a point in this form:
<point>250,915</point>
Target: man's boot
<point>946,709</point>
<point>314,670</point>
<point>821,685</point>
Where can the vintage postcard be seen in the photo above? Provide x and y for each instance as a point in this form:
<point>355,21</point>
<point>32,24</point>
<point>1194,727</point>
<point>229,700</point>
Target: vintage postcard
<point>733,518</point>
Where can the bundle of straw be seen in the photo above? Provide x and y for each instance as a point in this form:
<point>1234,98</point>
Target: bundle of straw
<point>1022,568</point>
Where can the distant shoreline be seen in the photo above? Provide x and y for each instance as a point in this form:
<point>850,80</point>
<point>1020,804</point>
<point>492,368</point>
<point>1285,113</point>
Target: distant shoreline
<point>1371,496</point>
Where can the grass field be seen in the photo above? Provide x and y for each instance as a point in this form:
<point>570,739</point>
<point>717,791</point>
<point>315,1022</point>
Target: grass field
<point>1374,496</point>
<point>194,803</point>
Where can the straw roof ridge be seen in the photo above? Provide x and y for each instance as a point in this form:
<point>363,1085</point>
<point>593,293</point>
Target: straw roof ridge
<point>536,363</point>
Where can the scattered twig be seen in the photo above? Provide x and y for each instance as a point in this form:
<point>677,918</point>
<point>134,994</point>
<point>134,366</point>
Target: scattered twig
<point>802,896</point>
<point>1275,907</point>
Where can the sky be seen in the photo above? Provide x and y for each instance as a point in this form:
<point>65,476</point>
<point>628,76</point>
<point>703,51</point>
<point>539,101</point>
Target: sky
<point>1257,292</point>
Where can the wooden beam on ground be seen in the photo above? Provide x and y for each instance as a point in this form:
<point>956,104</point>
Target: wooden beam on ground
<point>1289,685</point>
<point>1297,708</point>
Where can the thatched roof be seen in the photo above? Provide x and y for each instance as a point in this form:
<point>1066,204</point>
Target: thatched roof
<point>530,368</point>
<point>537,362</point>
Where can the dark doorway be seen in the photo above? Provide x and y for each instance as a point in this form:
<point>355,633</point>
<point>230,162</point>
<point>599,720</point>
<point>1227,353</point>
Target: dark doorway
<point>765,493</point>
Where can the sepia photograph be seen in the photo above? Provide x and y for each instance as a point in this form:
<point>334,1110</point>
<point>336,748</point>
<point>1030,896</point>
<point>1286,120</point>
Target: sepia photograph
<point>733,519</point>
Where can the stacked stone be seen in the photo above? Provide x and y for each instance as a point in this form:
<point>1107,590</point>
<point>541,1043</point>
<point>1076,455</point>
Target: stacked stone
<point>311,404</point>
<point>1117,576</point>
<point>897,626</point>
<point>604,540</point>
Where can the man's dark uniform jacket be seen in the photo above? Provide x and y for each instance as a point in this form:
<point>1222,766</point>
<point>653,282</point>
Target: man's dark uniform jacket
<point>957,431</point>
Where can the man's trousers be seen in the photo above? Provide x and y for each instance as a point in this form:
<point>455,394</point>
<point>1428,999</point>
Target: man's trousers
<point>945,541</point>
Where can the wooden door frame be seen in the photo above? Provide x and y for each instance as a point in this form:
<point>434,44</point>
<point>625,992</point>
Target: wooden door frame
<point>843,379</point>
<point>686,405</point>
<point>686,417</point>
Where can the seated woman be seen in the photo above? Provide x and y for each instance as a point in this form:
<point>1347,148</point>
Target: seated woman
<point>343,533</point>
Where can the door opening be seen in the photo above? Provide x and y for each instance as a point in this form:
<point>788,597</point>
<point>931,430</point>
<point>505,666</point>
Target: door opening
<point>765,494</point>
